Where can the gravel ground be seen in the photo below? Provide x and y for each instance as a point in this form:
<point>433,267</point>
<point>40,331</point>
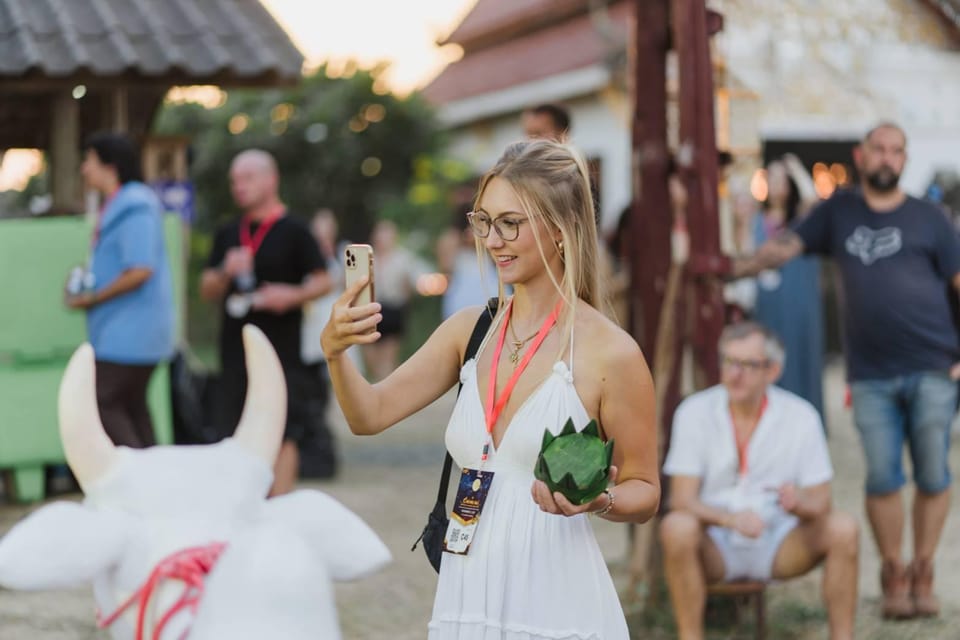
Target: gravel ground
<point>390,481</point>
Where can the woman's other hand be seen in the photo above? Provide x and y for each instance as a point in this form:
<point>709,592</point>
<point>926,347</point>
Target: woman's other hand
<point>558,504</point>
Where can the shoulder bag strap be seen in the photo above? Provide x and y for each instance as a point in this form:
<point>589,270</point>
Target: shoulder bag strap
<point>476,339</point>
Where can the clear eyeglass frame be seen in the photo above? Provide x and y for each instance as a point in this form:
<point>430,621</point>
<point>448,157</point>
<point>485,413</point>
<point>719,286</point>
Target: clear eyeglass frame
<point>507,228</point>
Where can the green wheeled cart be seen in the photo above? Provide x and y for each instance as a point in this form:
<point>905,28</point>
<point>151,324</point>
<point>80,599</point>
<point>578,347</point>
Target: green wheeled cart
<point>38,335</point>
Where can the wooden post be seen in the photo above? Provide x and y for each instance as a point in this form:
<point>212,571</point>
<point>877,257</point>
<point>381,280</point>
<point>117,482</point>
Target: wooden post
<point>119,108</point>
<point>674,308</point>
<point>698,162</point>
<point>65,153</point>
<point>650,223</point>
<point>650,220</point>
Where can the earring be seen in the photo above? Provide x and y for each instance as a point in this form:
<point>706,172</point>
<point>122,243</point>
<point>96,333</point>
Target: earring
<point>560,247</point>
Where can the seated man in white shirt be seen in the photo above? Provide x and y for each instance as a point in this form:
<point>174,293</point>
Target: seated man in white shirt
<point>750,489</point>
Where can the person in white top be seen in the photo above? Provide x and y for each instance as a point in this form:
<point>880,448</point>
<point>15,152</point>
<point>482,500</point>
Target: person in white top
<point>396,270</point>
<point>533,568</point>
<point>318,451</point>
<point>750,489</point>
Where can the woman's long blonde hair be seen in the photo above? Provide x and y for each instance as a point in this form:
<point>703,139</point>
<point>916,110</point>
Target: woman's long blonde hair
<point>552,183</point>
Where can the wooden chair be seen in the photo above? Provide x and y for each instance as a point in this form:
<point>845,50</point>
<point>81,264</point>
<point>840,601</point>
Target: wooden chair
<point>743,593</point>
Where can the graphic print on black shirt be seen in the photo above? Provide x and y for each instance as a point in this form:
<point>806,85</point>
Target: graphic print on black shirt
<point>897,268</point>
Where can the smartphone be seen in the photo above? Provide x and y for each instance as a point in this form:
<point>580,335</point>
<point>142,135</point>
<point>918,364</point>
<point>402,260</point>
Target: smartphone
<point>358,260</point>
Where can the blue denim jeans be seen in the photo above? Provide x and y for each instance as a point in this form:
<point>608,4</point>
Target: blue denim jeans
<point>917,408</point>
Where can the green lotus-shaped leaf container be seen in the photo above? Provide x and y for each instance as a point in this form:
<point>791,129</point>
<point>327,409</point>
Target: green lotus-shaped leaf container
<point>575,463</point>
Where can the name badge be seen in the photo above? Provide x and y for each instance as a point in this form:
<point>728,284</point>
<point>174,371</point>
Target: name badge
<point>471,495</point>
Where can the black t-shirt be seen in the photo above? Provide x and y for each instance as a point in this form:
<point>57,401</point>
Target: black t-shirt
<point>287,254</point>
<point>897,268</point>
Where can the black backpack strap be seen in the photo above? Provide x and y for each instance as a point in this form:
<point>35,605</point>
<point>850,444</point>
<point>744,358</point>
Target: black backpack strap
<point>476,339</point>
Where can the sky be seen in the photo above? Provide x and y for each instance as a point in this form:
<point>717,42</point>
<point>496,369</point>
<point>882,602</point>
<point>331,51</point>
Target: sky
<point>401,32</point>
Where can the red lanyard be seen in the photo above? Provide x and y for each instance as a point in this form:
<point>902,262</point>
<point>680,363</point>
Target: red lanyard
<point>254,243</point>
<point>494,406</point>
<point>743,443</point>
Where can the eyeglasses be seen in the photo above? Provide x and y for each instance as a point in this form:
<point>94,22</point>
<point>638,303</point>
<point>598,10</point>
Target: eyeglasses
<point>751,366</point>
<point>507,228</point>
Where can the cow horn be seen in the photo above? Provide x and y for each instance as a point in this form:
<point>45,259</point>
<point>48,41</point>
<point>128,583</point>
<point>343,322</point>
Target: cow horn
<point>260,430</point>
<point>88,449</point>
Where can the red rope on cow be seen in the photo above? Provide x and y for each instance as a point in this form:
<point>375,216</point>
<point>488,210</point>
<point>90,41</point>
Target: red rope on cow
<point>190,566</point>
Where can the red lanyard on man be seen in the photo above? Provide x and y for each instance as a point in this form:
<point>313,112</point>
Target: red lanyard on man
<point>494,406</point>
<point>743,443</point>
<point>253,243</point>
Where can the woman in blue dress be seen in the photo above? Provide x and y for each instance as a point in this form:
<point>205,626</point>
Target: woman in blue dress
<point>789,298</point>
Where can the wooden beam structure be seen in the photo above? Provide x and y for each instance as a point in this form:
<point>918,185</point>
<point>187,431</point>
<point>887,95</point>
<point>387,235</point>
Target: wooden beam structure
<point>113,63</point>
<point>650,222</point>
<point>673,309</point>
<point>697,162</point>
<point>65,153</point>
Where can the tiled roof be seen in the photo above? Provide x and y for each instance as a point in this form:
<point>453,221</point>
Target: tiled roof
<point>572,44</point>
<point>490,17</point>
<point>184,41</point>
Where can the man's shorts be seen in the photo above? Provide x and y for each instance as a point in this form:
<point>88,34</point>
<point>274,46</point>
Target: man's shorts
<point>751,559</point>
<point>916,408</point>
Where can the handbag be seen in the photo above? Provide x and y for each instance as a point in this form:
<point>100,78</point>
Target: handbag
<point>437,520</point>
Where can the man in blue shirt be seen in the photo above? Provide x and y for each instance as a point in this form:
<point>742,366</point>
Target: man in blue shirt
<point>129,294</point>
<point>898,258</point>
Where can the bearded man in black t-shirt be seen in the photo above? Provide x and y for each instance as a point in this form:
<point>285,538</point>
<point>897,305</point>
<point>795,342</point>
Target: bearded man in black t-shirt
<point>898,259</point>
<point>261,270</point>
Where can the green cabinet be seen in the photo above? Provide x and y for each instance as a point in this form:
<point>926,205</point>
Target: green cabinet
<point>38,335</point>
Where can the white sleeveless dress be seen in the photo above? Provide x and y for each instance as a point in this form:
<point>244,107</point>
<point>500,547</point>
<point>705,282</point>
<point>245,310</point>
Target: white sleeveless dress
<point>530,575</point>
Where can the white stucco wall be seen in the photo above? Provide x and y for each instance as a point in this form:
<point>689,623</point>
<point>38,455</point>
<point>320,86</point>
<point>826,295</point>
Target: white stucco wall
<point>811,70</point>
<point>825,70</point>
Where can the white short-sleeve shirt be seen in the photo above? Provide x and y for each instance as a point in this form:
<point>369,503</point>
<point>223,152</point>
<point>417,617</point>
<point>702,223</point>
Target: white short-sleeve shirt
<point>788,446</point>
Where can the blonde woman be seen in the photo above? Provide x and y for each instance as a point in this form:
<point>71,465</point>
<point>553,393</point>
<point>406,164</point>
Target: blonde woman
<point>533,569</point>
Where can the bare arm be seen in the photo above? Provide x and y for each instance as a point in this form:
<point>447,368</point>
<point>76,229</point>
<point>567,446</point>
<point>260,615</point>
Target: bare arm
<point>808,503</point>
<point>215,281</point>
<point>214,284</point>
<point>281,297</point>
<point>685,496</point>
<point>685,492</point>
<point>782,248</point>
<point>317,284</point>
<point>127,281</point>
<point>628,414</point>
<point>424,377</point>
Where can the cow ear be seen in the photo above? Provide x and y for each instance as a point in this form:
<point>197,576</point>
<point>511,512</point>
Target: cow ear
<point>349,547</point>
<point>61,545</point>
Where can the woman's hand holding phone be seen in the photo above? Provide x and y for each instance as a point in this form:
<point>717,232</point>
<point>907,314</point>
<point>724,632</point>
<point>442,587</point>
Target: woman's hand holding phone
<point>350,325</point>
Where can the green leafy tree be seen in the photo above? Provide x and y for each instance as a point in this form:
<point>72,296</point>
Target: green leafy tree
<point>337,141</point>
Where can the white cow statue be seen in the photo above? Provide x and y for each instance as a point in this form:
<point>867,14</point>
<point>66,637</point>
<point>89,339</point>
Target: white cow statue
<point>180,541</point>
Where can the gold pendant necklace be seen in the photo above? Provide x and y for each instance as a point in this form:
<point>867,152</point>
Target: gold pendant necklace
<point>515,354</point>
<point>518,345</point>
